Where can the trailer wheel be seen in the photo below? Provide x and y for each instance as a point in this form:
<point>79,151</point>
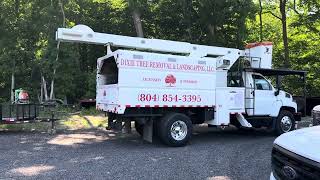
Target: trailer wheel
<point>175,129</point>
<point>285,122</point>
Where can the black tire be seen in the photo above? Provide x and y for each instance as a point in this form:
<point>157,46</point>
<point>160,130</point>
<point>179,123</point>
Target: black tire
<point>181,121</point>
<point>288,117</point>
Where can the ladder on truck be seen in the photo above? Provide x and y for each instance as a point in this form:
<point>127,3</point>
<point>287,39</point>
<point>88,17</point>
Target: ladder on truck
<point>249,98</point>
<point>251,89</point>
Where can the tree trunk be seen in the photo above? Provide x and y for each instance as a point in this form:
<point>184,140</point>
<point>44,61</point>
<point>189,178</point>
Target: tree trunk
<point>17,7</point>
<point>137,22</point>
<point>286,62</point>
<point>41,92</point>
<point>260,19</point>
<point>12,85</point>
<point>44,86</point>
<point>57,56</point>
<point>212,30</point>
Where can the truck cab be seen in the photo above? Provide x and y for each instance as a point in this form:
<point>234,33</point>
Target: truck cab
<point>265,104</point>
<point>266,100</point>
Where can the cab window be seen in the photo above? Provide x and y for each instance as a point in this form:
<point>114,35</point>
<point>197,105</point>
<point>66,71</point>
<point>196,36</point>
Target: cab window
<point>261,83</point>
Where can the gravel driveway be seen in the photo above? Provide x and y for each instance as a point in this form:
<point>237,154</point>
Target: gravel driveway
<point>98,154</point>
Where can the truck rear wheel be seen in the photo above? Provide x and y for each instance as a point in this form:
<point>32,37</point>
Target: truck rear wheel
<point>175,129</point>
<point>285,122</point>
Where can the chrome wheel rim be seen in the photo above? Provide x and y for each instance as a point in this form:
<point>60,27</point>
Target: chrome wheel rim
<point>286,124</point>
<point>179,130</point>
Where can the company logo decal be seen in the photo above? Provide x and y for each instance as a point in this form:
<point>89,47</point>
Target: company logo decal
<point>289,173</point>
<point>170,80</point>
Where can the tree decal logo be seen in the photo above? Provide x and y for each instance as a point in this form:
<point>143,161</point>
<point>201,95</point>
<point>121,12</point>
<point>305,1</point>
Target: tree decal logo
<point>170,80</point>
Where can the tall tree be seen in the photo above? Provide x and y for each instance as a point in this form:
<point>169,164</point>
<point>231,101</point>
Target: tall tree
<point>260,21</point>
<point>136,16</point>
<point>58,49</point>
<point>16,5</point>
<point>283,18</point>
<point>282,5</point>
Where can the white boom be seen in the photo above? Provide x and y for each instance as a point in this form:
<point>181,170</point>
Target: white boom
<point>85,34</point>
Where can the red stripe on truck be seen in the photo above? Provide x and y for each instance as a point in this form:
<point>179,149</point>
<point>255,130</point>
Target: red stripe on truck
<point>156,106</point>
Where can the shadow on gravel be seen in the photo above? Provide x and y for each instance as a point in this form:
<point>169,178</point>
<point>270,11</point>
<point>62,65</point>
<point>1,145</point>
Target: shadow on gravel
<point>42,155</point>
<point>90,136</point>
<point>201,135</point>
<point>77,153</point>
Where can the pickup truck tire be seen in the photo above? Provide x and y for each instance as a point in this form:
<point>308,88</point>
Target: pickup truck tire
<point>285,122</point>
<point>175,129</point>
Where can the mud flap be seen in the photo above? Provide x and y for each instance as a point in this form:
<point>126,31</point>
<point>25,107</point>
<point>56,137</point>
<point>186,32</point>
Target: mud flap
<point>148,130</point>
<point>127,126</point>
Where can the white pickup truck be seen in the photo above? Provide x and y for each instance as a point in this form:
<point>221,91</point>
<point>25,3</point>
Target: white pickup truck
<point>296,155</point>
<point>166,86</point>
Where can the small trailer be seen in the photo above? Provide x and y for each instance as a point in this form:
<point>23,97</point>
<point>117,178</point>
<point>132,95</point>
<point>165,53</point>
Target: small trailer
<point>21,113</point>
<point>166,86</point>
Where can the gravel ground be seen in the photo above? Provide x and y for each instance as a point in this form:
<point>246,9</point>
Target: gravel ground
<point>97,154</point>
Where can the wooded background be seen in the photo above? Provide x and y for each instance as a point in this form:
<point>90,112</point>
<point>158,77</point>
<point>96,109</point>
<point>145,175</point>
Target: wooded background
<point>33,60</point>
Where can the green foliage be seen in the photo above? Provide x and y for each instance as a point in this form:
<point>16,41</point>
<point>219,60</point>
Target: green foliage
<point>28,46</point>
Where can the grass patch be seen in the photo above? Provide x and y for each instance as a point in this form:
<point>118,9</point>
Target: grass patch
<point>84,122</point>
<point>29,127</point>
<point>71,122</point>
<point>90,111</point>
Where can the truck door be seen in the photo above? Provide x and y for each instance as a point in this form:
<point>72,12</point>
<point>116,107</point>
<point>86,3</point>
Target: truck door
<point>264,97</point>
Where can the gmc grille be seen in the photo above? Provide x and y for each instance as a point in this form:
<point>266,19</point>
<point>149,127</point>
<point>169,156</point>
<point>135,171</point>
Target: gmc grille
<point>305,169</point>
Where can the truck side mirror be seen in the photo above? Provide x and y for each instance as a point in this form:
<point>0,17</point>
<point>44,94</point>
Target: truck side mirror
<point>277,92</point>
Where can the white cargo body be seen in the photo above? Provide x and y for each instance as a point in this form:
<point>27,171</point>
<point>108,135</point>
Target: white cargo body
<point>160,80</point>
<point>166,86</point>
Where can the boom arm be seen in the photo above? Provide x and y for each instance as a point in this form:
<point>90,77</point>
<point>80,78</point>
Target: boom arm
<point>84,34</point>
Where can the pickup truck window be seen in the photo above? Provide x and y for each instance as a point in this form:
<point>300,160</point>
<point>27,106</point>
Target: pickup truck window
<point>261,83</point>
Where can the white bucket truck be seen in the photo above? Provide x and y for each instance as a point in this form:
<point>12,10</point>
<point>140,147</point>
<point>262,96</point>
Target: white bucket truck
<point>166,86</point>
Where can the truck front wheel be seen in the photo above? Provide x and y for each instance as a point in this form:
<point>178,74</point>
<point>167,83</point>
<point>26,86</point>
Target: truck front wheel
<point>285,122</point>
<point>175,129</point>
